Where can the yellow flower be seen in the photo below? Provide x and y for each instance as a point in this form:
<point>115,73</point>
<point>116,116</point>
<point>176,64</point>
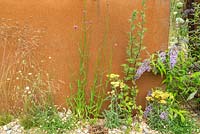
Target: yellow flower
<point>113,76</point>
<point>122,85</point>
<point>163,101</point>
<point>149,98</point>
<point>165,96</point>
<point>115,84</point>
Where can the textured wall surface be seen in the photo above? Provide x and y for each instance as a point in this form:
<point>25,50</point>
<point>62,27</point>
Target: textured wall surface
<point>107,26</point>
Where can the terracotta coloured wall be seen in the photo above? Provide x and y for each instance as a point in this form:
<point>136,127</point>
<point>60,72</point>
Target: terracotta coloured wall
<point>107,23</point>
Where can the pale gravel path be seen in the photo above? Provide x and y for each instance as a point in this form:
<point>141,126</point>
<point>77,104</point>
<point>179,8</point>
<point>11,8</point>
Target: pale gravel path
<point>15,128</point>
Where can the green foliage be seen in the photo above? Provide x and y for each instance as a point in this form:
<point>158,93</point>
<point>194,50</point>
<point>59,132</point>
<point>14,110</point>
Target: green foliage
<point>5,118</point>
<point>180,80</point>
<point>194,40</point>
<point>47,119</point>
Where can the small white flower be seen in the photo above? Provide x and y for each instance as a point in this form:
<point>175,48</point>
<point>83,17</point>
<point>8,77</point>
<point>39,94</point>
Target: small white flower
<point>27,87</point>
<point>8,79</point>
<point>17,78</point>
<point>50,57</point>
<point>29,73</point>
<point>175,13</point>
<point>29,92</point>
<point>179,21</point>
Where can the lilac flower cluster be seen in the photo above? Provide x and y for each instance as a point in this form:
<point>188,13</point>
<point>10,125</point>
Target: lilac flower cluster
<point>188,11</point>
<point>173,55</point>
<point>162,56</point>
<point>149,93</point>
<point>164,116</point>
<point>143,68</point>
<point>148,109</point>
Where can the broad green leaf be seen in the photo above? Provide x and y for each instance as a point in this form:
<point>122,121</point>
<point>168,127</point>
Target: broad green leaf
<point>191,96</point>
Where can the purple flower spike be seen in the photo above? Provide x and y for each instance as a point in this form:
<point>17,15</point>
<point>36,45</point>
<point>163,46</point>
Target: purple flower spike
<point>188,11</point>
<point>147,110</point>
<point>173,55</point>
<point>143,68</point>
<point>164,116</point>
<point>162,56</point>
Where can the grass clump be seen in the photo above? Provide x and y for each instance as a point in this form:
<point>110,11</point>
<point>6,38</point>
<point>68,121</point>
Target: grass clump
<point>5,118</point>
<point>48,119</point>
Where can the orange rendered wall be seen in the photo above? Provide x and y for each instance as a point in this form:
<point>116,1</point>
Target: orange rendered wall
<point>63,19</point>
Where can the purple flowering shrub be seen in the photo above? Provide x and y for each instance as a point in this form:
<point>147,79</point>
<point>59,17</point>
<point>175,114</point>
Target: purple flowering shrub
<point>159,63</point>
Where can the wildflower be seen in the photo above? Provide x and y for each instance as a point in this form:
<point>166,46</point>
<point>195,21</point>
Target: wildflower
<point>163,101</point>
<point>165,95</point>
<point>75,27</point>
<point>29,73</point>
<point>113,76</point>
<point>27,87</point>
<point>162,56</point>
<point>8,79</point>
<point>115,84</point>
<point>188,11</point>
<point>143,68</point>
<point>175,13</point>
<point>50,57</point>
<point>113,92</point>
<point>148,98</point>
<point>148,109</point>
<point>122,85</point>
<point>173,55</point>
<point>179,20</point>
<point>164,116</point>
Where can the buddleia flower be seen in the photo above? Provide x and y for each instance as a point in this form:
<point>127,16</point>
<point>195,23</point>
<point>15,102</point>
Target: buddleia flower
<point>162,56</point>
<point>173,55</point>
<point>145,66</point>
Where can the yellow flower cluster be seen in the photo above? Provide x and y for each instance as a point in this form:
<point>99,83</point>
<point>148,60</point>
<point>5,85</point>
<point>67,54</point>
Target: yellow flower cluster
<point>159,96</point>
<point>113,76</point>
<point>115,84</point>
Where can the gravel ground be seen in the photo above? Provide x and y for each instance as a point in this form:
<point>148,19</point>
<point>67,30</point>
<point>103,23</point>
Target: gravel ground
<point>15,128</point>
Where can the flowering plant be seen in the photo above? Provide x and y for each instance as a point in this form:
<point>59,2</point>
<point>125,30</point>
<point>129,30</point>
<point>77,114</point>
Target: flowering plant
<point>122,98</point>
<point>159,97</point>
<point>162,112</point>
